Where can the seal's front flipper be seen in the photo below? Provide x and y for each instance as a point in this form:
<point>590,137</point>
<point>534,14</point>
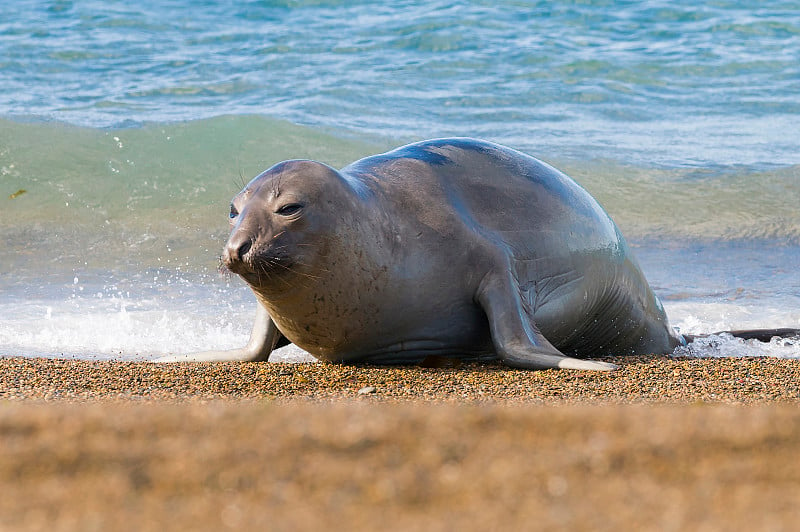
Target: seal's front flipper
<point>516,339</point>
<point>263,339</point>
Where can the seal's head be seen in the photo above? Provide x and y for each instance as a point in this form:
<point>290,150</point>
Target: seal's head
<point>283,222</point>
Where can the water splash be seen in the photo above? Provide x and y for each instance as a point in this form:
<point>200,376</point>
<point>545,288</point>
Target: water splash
<point>709,318</point>
<point>726,346</point>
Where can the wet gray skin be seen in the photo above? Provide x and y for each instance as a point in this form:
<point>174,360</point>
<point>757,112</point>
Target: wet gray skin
<point>450,247</point>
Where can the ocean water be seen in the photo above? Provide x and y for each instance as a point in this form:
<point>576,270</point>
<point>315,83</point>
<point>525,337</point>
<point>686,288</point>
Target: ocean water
<point>125,128</point>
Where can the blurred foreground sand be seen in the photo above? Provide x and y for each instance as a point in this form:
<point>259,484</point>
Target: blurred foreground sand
<point>660,444</point>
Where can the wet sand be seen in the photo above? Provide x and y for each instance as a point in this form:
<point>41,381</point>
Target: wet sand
<point>660,444</point>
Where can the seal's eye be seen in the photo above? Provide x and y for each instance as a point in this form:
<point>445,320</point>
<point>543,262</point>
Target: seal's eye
<point>234,213</point>
<point>289,209</point>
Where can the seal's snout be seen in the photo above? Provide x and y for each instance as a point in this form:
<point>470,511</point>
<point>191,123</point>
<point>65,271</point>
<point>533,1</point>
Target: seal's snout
<point>242,250</point>
<point>236,250</point>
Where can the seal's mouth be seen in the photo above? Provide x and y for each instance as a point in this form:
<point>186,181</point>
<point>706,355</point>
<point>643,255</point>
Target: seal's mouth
<point>257,266</point>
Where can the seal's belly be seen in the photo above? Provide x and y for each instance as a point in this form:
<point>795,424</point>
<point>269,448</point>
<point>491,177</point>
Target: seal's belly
<point>462,333</point>
<point>397,335</point>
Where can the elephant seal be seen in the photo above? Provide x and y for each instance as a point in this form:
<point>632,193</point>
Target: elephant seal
<point>451,247</point>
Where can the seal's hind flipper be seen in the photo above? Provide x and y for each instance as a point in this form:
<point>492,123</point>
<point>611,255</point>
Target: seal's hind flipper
<point>592,365</point>
<point>762,335</point>
<point>516,339</point>
<point>531,359</point>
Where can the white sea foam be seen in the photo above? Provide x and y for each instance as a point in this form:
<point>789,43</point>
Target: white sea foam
<point>708,318</point>
<point>125,328</point>
<point>705,318</point>
<point>110,329</point>
<point>725,346</point>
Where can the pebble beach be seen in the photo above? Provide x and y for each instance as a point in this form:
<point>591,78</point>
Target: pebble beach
<point>661,443</point>
<point>648,379</point>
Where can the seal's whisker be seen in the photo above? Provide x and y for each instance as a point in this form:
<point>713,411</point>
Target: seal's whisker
<point>286,282</point>
<point>258,275</point>
<point>319,269</point>
<point>287,268</point>
<point>265,271</point>
<point>223,269</point>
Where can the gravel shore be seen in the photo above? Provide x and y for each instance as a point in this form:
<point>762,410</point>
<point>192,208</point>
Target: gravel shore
<point>661,443</point>
<point>645,379</point>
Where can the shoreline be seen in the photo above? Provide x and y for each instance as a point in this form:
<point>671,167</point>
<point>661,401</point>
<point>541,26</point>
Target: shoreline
<point>661,443</point>
<point>639,379</point>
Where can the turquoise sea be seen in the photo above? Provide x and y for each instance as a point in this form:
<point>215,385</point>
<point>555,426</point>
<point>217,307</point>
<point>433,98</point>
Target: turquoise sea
<point>125,128</point>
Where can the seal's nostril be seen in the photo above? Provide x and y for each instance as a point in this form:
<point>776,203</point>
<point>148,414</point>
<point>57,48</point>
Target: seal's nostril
<point>243,249</point>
